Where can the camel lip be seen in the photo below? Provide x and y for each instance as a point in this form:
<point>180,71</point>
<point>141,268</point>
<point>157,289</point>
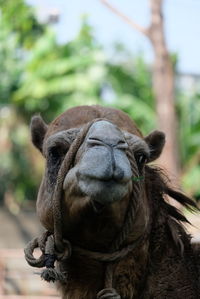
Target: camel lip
<point>103,191</point>
<point>103,183</point>
<point>106,180</point>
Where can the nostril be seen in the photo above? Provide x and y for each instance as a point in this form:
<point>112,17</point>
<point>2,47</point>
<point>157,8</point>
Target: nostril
<point>119,144</point>
<point>94,141</point>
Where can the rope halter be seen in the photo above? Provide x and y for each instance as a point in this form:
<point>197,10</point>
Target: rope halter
<point>55,248</point>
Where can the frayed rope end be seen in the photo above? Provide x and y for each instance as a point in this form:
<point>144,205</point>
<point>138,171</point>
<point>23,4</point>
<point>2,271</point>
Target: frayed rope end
<point>51,274</point>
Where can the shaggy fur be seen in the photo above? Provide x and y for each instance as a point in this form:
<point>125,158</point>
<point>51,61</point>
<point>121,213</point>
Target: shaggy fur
<point>166,265</point>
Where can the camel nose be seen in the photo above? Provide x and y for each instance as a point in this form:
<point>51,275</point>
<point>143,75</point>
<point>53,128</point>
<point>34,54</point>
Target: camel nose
<point>107,134</point>
<point>105,158</point>
<point>114,142</point>
<point>109,149</point>
<point>104,171</point>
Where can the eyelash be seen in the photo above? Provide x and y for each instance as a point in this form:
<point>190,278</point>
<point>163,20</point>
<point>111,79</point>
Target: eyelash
<point>141,158</point>
<point>57,152</point>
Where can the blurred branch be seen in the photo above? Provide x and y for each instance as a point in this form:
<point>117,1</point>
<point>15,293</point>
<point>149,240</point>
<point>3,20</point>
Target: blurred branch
<point>125,18</point>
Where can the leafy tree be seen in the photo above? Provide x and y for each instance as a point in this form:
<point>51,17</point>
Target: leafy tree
<point>18,34</point>
<point>20,21</point>
<point>189,128</point>
<point>11,66</point>
<point>131,83</point>
<point>60,76</point>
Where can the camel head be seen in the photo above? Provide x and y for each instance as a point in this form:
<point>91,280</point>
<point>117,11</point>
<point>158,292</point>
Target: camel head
<point>97,186</point>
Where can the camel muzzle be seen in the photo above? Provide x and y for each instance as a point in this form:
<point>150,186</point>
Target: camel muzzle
<point>104,171</point>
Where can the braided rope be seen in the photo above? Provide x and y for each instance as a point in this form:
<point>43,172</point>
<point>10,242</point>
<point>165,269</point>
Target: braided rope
<point>108,257</point>
<point>60,249</point>
<point>28,251</point>
<point>109,292</point>
<point>65,166</point>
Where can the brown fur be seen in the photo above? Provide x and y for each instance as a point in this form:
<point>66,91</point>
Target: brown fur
<point>165,266</point>
<point>74,118</point>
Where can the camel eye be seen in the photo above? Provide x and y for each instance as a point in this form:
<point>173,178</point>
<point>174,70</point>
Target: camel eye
<point>57,152</point>
<point>141,158</point>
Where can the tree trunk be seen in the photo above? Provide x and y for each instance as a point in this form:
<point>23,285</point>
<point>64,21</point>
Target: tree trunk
<point>163,86</point>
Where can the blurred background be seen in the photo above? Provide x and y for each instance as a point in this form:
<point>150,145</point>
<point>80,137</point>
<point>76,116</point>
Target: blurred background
<point>138,56</point>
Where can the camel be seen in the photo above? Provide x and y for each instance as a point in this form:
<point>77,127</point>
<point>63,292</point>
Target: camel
<point>110,231</point>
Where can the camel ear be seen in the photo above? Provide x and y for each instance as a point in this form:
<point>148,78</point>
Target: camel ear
<point>38,130</point>
<point>156,142</point>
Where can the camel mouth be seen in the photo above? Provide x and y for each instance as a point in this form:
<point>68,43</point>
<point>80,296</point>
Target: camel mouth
<point>103,191</point>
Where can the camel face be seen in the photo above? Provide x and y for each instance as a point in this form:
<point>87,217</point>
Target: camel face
<point>100,175</point>
<point>103,172</point>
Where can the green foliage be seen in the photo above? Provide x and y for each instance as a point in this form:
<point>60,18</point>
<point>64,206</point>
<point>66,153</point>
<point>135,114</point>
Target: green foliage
<point>57,77</point>
<point>19,30</point>
<point>20,21</point>
<point>189,128</point>
<point>11,66</point>
<point>131,82</point>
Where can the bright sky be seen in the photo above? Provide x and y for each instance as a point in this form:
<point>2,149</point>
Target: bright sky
<point>182,25</point>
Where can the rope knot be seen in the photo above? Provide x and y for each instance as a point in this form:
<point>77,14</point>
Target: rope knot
<point>66,252</point>
<point>49,260</point>
<point>50,273</point>
<point>108,293</point>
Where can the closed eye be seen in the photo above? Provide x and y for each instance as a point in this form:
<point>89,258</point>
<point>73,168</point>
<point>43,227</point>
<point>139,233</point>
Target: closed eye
<point>55,157</point>
<point>57,152</point>
<point>141,158</point>
<point>61,139</point>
